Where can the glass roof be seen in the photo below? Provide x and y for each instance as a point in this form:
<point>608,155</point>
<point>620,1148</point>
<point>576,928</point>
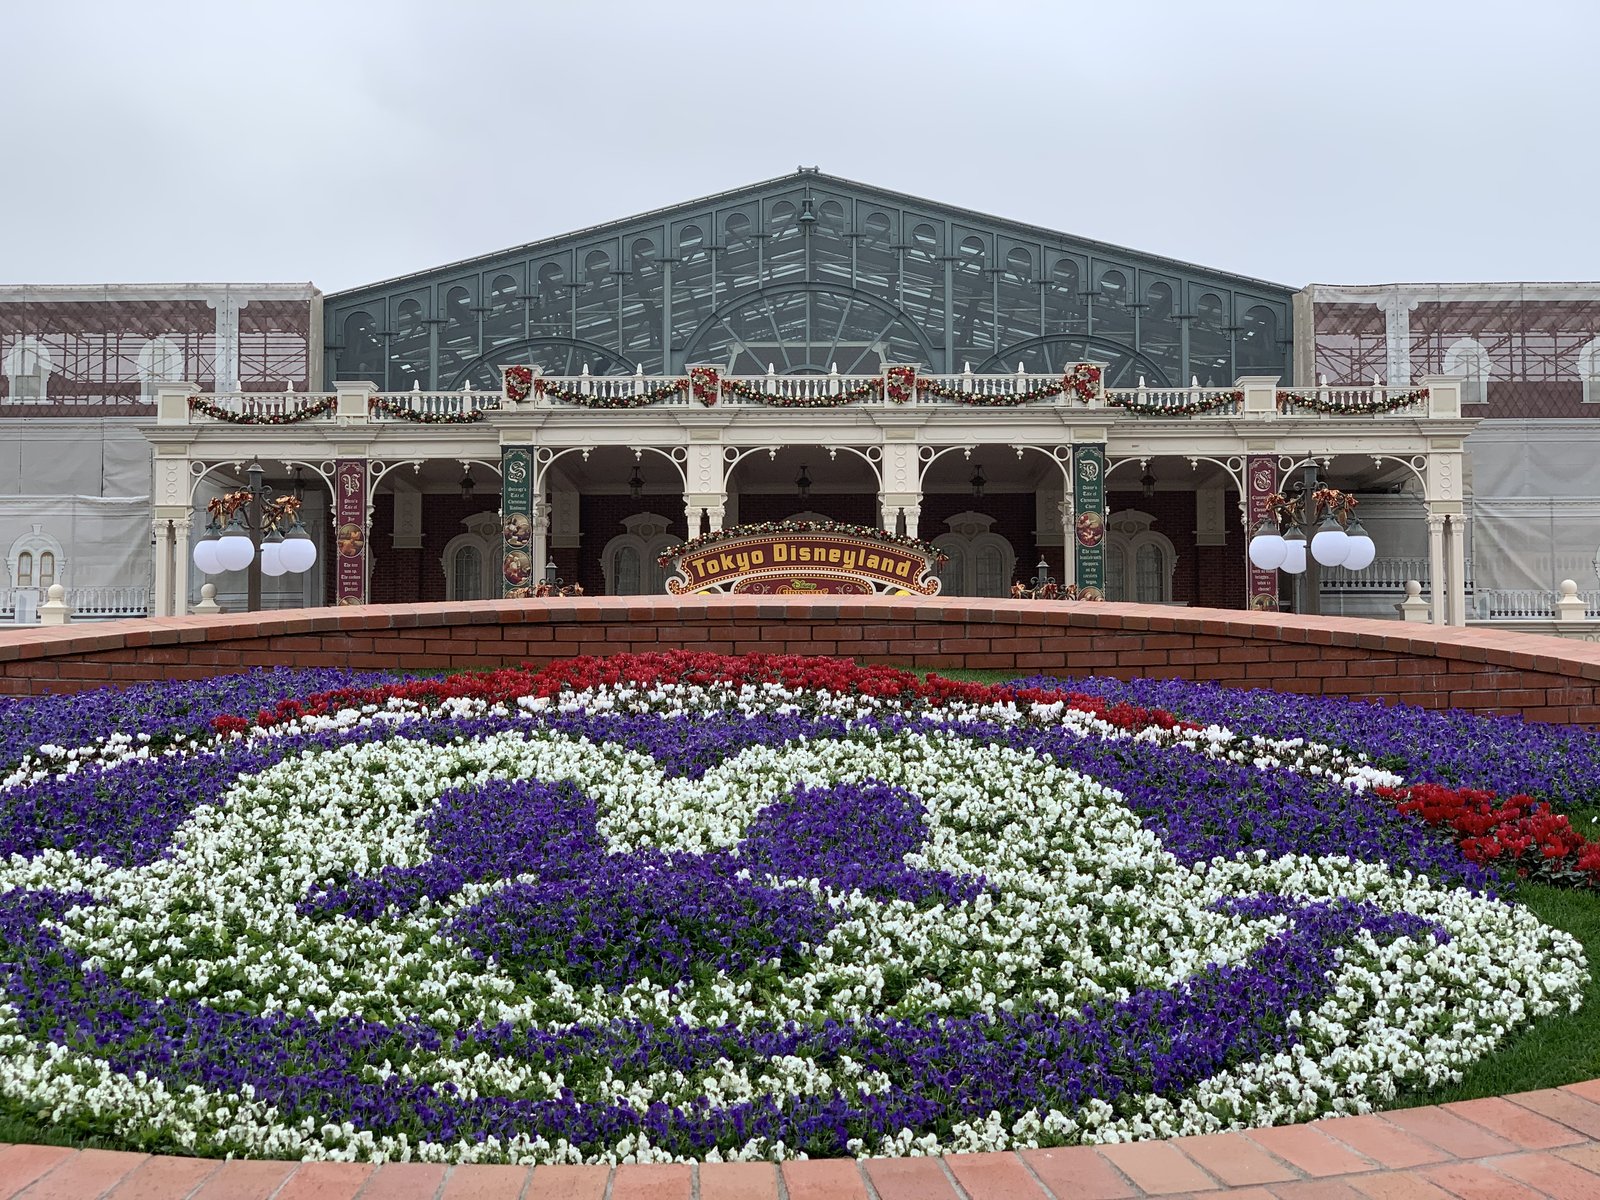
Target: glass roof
<point>801,274</point>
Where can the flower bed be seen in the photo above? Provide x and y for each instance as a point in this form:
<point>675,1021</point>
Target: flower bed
<point>681,906</point>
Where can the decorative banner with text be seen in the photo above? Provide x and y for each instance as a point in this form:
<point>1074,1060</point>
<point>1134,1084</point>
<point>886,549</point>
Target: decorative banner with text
<point>1089,503</point>
<point>350,531</point>
<point>1261,478</point>
<point>758,560</point>
<point>516,518</point>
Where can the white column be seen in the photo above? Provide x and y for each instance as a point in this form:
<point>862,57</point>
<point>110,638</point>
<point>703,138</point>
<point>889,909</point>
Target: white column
<point>180,568</point>
<point>1456,542</point>
<point>539,545</point>
<point>161,602</point>
<point>1069,541</point>
<point>1437,583</point>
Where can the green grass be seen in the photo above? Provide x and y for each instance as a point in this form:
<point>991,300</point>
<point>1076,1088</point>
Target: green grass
<point>1558,1050</point>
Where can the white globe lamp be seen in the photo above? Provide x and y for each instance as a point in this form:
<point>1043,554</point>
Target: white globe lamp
<point>205,554</point>
<point>1267,547</point>
<point>271,555</point>
<point>297,552</point>
<point>234,549</point>
<point>1361,551</point>
<point>1331,544</point>
<point>1294,559</point>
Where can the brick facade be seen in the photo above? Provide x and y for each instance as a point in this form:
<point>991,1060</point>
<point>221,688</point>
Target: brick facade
<point>1537,677</point>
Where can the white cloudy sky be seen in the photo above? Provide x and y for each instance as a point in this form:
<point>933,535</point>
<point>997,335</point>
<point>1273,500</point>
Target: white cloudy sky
<point>347,141</point>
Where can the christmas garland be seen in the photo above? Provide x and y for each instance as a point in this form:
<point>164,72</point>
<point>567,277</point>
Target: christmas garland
<point>1189,408</point>
<point>661,391</point>
<point>1082,382</point>
<point>403,413</point>
<point>308,413</point>
<point>849,396</point>
<point>1367,408</point>
<point>770,527</point>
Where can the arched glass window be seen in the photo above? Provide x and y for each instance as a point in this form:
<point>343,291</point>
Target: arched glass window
<point>641,316</point>
<point>467,573</point>
<point>25,569</point>
<point>692,298</point>
<point>47,569</point>
<point>625,572</point>
<point>923,282</point>
<point>1116,567</point>
<point>503,322</point>
<point>992,579</point>
<point>1112,316</point>
<point>408,350</point>
<point>597,302</point>
<point>877,263</point>
<point>362,356</point>
<point>739,261</point>
<point>1150,574</point>
<point>1063,309</point>
<point>551,314</point>
<point>1258,340</point>
<point>458,344</point>
<point>1210,344</point>
<point>1159,337</point>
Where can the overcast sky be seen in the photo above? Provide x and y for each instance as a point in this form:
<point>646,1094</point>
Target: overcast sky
<point>344,142</point>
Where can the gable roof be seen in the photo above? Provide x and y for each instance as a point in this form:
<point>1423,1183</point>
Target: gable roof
<point>812,176</point>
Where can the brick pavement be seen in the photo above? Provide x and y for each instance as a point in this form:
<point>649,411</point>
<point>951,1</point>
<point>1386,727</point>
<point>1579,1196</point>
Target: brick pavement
<point>1542,1145</point>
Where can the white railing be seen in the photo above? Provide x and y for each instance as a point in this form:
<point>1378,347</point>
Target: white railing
<point>953,389</point>
<point>1384,575</point>
<point>435,404</point>
<point>257,406</point>
<point>1177,402</point>
<point>105,603</point>
<point>802,390</point>
<point>1501,604</point>
<point>1340,401</point>
<point>109,602</point>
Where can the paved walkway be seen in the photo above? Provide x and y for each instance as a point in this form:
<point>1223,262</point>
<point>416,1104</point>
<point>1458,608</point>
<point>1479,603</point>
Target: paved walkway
<point>1533,1146</point>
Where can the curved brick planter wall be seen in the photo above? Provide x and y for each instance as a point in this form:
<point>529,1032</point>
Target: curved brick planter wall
<point>1542,678</point>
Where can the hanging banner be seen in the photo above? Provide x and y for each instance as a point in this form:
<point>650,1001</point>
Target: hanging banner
<point>516,519</point>
<point>350,531</point>
<point>1089,503</point>
<point>1261,478</point>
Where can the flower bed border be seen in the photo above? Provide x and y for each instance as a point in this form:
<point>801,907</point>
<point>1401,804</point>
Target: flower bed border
<point>1541,678</point>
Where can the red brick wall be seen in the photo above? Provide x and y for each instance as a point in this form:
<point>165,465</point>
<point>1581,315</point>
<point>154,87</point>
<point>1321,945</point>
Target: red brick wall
<point>1538,677</point>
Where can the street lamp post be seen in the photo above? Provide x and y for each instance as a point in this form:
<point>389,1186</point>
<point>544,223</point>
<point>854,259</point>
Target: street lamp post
<point>237,538</point>
<point>1337,538</point>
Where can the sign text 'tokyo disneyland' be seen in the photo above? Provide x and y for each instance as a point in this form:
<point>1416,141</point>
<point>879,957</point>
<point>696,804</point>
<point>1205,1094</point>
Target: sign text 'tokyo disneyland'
<point>803,558</point>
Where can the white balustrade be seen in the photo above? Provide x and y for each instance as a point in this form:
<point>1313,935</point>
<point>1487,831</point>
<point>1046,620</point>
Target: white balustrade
<point>1182,402</point>
<point>1506,604</point>
<point>105,603</point>
<point>1343,400</point>
<point>266,404</point>
<point>952,389</point>
<point>1384,575</point>
<point>435,404</point>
